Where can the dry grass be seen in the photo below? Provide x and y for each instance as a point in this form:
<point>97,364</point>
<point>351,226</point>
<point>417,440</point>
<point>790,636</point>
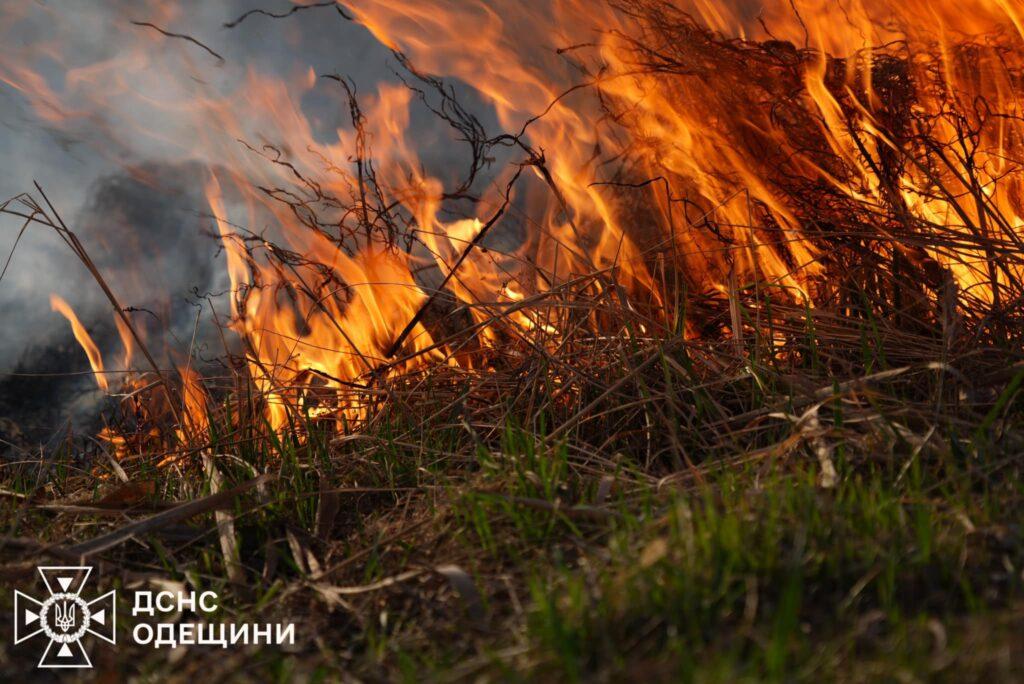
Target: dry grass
<point>713,486</point>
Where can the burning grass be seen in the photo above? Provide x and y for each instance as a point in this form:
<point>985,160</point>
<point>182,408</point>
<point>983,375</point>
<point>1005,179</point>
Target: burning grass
<point>742,403</point>
<point>702,515</point>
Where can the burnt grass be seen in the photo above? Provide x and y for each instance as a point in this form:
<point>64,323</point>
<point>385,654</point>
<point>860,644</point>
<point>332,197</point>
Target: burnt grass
<point>843,507</point>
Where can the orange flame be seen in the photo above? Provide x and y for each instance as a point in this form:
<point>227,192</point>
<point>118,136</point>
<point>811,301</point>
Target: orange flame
<point>84,340</point>
<point>320,321</point>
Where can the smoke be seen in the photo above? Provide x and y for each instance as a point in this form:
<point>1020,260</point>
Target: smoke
<point>125,174</point>
<point>149,235</point>
<point>81,142</point>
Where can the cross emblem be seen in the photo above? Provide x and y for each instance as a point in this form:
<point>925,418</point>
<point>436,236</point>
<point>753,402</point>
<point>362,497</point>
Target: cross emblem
<point>64,617</point>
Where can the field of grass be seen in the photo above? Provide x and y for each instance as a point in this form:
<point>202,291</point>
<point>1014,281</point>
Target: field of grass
<point>714,514</point>
<point>778,442</point>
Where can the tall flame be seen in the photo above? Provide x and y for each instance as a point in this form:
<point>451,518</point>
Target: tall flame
<point>644,131</point>
<point>84,339</point>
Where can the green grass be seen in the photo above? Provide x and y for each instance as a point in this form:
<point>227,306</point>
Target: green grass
<point>685,484</point>
<point>679,526</point>
<point>769,576</point>
<point>756,573</point>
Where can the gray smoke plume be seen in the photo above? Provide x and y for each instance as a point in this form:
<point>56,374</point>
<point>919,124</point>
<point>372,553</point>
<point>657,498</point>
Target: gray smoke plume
<point>137,207</point>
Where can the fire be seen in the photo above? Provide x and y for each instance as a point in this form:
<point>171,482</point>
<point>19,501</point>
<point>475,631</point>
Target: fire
<point>195,406</point>
<point>84,339</point>
<point>701,133</point>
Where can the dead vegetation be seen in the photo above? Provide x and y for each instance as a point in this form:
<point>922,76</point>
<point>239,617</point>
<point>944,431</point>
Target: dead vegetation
<point>802,473</point>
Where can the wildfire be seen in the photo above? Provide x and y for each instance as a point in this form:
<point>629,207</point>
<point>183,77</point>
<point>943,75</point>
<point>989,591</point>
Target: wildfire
<point>728,126</point>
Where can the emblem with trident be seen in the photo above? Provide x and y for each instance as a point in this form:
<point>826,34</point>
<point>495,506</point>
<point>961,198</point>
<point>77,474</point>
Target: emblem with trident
<point>64,616</point>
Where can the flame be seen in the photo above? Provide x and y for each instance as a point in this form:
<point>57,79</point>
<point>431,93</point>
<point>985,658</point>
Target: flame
<point>360,239</point>
<point>127,341</point>
<point>84,340</point>
<point>195,406</point>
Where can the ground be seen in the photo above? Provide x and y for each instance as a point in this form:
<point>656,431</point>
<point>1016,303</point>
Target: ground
<point>731,524</point>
